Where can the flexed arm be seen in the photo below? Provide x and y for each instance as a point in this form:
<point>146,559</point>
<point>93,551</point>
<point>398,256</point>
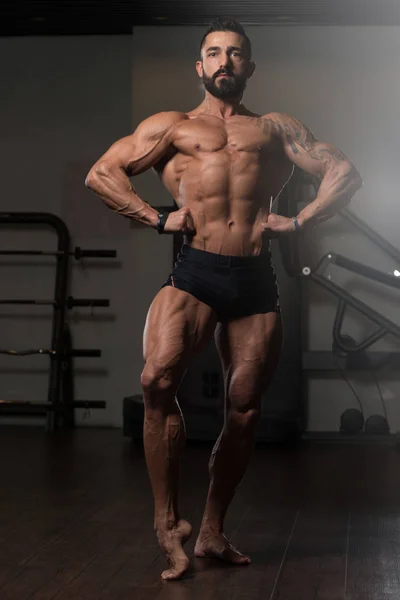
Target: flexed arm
<point>132,155</point>
<point>338,176</point>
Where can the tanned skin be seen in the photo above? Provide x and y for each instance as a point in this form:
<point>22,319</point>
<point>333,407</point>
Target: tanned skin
<point>222,164</point>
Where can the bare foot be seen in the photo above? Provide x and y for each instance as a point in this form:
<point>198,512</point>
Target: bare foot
<point>212,544</point>
<point>171,542</point>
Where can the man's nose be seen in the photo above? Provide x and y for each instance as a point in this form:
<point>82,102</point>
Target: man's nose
<point>225,60</point>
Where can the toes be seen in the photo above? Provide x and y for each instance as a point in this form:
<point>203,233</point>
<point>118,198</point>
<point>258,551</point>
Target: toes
<point>221,549</point>
<point>242,560</point>
<point>174,573</point>
<point>236,557</point>
<point>170,575</point>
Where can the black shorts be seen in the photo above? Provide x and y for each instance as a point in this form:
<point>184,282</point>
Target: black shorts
<point>234,286</point>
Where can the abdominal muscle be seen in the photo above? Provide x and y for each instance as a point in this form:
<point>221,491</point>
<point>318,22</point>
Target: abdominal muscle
<point>228,205</point>
<point>233,234</point>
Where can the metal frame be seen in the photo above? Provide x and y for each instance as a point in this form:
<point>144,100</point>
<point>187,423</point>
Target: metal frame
<point>60,405</point>
<point>346,299</point>
<point>373,235</point>
<point>60,296</point>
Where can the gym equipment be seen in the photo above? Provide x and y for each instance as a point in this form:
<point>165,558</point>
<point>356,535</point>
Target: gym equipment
<point>60,405</point>
<point>347,353</point>
<point>42,408</point>
<point>352,421</point>
<point>376,425</point>
<point>346,299</point>
<point>78,253</point>
<point>81,353</point>
<point>69,303</point>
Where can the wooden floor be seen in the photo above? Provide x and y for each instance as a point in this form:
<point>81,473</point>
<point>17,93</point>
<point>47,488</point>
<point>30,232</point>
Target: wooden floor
<point>320,521</point>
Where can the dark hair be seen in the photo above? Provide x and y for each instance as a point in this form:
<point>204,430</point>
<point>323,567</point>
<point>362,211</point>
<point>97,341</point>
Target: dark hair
<point>227,24</point>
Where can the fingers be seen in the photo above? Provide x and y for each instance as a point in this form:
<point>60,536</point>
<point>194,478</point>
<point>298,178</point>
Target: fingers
<point>190,223</point>
<point>189,228</point>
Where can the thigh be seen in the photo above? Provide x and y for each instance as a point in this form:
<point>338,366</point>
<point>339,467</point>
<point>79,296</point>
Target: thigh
<point>177,326</point>
<point>249,348</point>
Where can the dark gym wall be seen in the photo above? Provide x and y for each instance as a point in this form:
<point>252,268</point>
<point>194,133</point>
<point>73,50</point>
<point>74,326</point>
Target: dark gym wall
<point>63,101</point>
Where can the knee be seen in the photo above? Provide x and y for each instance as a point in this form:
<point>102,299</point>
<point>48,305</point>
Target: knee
<point>244,404</point>
<point>244,417</point>
<point>157,379</point>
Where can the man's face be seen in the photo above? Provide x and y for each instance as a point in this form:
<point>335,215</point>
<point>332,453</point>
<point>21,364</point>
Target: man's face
<point>225,65</point>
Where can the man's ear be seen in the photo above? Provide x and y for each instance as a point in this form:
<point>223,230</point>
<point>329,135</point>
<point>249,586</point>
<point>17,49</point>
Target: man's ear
<point>199,68</point>
<point>251,69</point>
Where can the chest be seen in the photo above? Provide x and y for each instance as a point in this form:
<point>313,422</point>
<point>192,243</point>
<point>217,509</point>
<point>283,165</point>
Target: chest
<point>236,135</point>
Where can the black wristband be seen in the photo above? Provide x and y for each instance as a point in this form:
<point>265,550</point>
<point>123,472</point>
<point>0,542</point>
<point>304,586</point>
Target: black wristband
<point>162,219</point>
<point>296,224</point>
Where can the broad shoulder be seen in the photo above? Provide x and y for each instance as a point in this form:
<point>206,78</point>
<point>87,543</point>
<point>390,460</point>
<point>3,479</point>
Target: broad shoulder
<point>161,122</point>
<point>288,128</point>
<point>290,123</point>
<point>280,118</point>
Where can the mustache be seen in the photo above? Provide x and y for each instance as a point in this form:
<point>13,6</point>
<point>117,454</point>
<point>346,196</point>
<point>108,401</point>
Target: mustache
<point>222,72</point>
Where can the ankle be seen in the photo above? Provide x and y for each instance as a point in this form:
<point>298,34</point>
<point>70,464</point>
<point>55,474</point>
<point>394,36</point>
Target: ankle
<point>211,526</point>
<point>165,523</point>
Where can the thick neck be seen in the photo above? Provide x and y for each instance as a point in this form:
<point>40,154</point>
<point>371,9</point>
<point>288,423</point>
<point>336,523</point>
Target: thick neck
<point>222,108</point>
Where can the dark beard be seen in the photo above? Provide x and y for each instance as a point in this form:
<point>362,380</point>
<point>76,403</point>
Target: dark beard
<point>232,87</point>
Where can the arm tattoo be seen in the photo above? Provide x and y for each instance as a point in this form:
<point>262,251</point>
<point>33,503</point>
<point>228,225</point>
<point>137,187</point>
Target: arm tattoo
<point>328,153</point>
<point>297,135</point>
<point>282,131</point>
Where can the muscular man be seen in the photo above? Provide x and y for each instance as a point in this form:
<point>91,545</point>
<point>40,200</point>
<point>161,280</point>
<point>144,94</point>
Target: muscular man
<point>222,164</point>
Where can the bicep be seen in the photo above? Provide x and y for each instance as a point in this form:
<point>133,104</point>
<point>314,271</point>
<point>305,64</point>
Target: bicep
<point>142,149</point>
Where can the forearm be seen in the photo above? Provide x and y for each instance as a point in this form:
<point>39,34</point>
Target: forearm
<point>337,188</point>
<point>115,189</point>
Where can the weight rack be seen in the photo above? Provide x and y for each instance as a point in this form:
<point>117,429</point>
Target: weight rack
<point>60,405</point>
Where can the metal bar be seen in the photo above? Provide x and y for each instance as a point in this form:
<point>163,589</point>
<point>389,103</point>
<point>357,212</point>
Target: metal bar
<point>357,304</point>
<point>92,302</point>
<point>77,253</point>
<point>46,407</point>
<point>84,353</point>
<point>364,270</point>
<point>23,302</point>
<point>67,382</point>
<point>70,302</point>
<point>60,295</point>
<point>27,411</point>
<point>324,360</point>
<point>89,404</point>
<point>60,308</point>
<point>375,237</point>
<point>339,340</point>
<point>28,253</point>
